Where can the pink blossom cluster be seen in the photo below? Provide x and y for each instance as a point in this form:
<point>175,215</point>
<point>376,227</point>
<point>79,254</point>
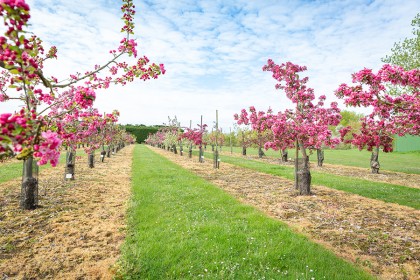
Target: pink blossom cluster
<point>48,149</point>
<point>195,135</point>
<point>391,115</point>
<point>84,97</point>
<point>15,131</point>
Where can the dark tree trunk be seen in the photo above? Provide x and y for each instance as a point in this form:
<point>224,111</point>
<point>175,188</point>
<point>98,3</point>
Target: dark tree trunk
<point>304,182</point>
<point>91,159</point>
<point>108,152</point>
<point>303,176</point>
<point>190,151</point>
<point>181,150</point>
<point>260,152</point>
<point>216,159</point>
<point>284,155</point>
<point>374,161</point>
<point>70,163</point>
<point>320,157</point>
<point>212,148</point>
<point>103,153</point>
<point>29,188</point>
<point>174,149</point>
<point>244,151</point>
<point>201,155</point>
<point>302,172</point>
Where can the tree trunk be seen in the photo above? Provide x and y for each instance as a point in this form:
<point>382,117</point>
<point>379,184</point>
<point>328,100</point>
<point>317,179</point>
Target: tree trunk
<point>303,176</point>
<point>103,154</point>
<point>212,148</point>
<point>201,155</point>
<point>70,162</point>
<point>174,149</point>
<point>216,159</point>
<point>91,159</point>
<point>302,173</point>
<point>260,152</point>
<point>190,151</point>
<point>108,152</point>
<point>244,151</point>
<point>181,150</point>
<point>374,161</point>
<point>320,157</point>
<point>29,188</point>
<point>284,155</point>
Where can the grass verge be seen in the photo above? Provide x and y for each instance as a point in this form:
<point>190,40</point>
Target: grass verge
<point>407,162</point>
<point>382,191</point>
<point>183,227</point>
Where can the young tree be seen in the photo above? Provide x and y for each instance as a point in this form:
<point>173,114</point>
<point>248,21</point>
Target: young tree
<point>391,115</point>
<point>305,126</point>
<point>196,136</point>
<point>30,132</point>
<point>261,134</point>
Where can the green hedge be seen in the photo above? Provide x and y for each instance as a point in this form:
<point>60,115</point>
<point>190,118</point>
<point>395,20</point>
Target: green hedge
<point>140,131</point>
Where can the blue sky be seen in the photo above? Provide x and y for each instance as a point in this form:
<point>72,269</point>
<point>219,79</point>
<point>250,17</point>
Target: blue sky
<point>214,50</point>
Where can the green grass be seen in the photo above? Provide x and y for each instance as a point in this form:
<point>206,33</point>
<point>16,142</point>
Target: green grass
<point>9,171</point>
<point>382,191</point>
<point>407,162</point>
<point>183,227</point>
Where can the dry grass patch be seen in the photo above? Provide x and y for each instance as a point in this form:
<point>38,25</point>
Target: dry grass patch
<point>77,231</point>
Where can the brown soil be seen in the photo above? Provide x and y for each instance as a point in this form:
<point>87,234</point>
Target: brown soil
<point>77,231</point>
<point>383,238</point>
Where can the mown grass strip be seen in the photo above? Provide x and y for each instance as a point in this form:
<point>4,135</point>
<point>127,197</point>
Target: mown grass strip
<point>13,170</point>
<point>182,227</point>
<point>382,191</point>
<point>407,162</point>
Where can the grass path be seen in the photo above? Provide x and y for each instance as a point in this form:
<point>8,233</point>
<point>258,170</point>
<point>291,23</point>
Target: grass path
<point>377,190</point>
<point>383,237</point>
<point>406,162</point>
<point>183,227</point>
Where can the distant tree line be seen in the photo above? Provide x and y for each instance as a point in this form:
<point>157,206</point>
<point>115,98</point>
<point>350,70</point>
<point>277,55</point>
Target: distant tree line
<point>141,131</point>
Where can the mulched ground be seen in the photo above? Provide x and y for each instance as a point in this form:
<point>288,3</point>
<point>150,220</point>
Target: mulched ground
<point>79,228</point>
<point>383,238</point>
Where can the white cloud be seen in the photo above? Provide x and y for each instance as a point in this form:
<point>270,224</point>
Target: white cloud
<point>214,50</point>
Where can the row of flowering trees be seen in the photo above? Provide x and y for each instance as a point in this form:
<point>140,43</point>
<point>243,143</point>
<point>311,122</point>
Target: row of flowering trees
<point>171,135</point>
<point>307,125</point>
<point>53,113</point>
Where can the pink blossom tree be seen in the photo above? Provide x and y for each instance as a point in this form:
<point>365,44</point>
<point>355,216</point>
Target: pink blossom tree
<point>305,126</point>
<point>29,132</point>
<point>257,121</point>
<point>391,115</point>
<point>196,136</point>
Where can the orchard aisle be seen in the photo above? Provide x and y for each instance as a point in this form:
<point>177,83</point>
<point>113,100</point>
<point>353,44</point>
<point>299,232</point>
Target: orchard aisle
<point>381,237</point>
<point>77,231</point>
<point>384,176</point>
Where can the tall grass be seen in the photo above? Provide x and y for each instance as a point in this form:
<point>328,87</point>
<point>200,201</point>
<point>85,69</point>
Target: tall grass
<point>183,227</point>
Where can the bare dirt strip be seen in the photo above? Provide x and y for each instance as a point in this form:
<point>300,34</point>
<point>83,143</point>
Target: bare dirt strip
<point>79,228</point>
<point>383,238</point>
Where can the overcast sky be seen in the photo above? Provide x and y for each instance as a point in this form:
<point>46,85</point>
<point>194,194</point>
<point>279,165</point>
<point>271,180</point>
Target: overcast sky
<point>214,50</point>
